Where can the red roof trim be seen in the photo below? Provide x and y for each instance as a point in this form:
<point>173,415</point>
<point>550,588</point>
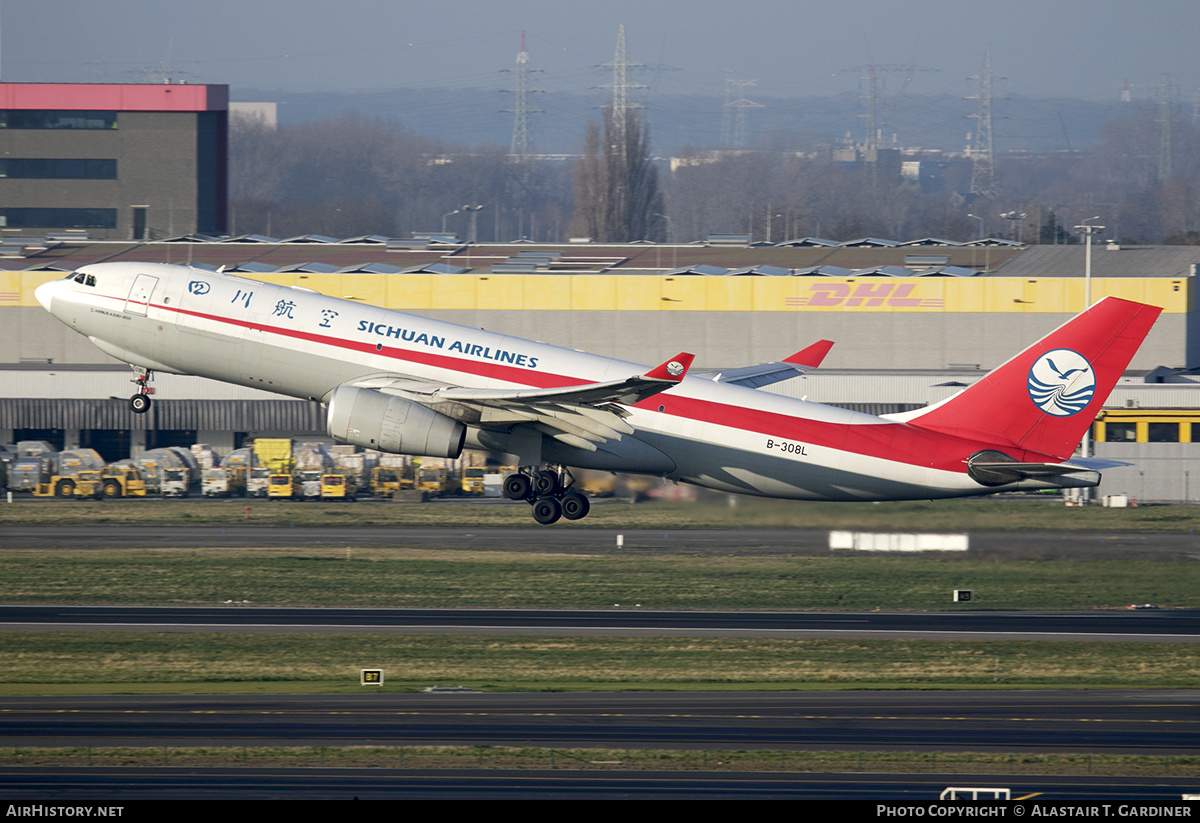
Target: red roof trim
<point>112,97</point>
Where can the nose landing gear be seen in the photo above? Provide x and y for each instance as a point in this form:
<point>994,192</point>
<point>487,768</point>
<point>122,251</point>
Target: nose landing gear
<point>140,402</point>
<point>550,494</point>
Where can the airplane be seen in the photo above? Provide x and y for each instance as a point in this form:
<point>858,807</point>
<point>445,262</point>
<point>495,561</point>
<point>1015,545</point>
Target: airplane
<point>406,384</point>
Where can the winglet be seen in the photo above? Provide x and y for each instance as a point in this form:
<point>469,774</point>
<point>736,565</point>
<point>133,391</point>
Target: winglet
<point>673,370</point>
<point>812,356</point>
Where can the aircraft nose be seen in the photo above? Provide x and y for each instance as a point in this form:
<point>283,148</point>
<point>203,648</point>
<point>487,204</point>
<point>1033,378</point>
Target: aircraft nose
<point>44,294</point>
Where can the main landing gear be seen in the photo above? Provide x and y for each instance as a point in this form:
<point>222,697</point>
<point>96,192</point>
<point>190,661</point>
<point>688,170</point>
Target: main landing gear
<point>140,402</point>
<point>550,494</point>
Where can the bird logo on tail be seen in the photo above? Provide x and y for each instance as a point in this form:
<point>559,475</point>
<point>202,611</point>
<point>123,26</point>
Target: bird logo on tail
<point>1061,382</point>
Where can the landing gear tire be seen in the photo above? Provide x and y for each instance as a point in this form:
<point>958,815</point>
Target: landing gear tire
<point>139,404</point>
<point>517,487</point>
<point>546,510</point>
<point>545,483</point>
<point>575,506</point>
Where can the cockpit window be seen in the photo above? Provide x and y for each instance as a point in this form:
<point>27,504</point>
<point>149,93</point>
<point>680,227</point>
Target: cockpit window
<point>79,277</point>
<point>85,279</point>
<point>91,280</point>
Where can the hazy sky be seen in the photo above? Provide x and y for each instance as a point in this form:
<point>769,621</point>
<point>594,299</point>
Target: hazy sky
<point>1044,48</point>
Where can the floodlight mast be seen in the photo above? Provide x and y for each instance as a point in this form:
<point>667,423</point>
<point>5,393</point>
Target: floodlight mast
<point>1088,229</point>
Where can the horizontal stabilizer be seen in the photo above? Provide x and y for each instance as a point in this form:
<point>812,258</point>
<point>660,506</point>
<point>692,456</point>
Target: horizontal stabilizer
<point>992,468</point>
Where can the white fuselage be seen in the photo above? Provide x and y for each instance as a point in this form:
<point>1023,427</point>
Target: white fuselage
<point>299,343</point>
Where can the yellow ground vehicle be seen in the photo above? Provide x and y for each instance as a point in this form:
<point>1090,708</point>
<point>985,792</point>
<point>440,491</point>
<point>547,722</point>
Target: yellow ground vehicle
<point>82,485</point>
<point>122,482</point>
<point>433,480</point>
<point>281,487</point>
<point>472,480</point>
<point>385,481</point>
<point>338,487</point>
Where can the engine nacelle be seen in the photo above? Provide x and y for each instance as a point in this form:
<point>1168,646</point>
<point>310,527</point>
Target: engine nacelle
<point>374,420</point>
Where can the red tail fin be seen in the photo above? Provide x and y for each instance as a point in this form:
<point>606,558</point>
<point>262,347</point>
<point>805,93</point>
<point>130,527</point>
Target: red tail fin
<point>1044,399</point>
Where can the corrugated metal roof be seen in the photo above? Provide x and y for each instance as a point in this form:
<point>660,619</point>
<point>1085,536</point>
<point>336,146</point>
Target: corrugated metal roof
<point>1129,261</point>
<point>702,269</point>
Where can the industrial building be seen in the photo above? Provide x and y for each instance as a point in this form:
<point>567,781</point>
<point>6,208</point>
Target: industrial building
<point>117,161</point>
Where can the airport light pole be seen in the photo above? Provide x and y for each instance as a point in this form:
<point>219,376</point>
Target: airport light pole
<point>980,219</point>
<point>474,212</point>
<point>444,216</point>
<point>670,236</point>
<point>987,256</point>
<point>1089,230</point>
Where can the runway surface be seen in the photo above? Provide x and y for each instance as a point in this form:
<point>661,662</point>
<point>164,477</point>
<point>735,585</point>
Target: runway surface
<point>1163,724</point>
<point>124,788</point>
<point>1174,626</point>
<point>1128,722</point>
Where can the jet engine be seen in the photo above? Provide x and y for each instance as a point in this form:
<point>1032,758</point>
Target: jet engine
<point>374,420</point>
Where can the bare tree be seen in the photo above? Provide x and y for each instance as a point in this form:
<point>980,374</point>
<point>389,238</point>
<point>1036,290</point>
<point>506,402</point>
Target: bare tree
<point>617,199</point>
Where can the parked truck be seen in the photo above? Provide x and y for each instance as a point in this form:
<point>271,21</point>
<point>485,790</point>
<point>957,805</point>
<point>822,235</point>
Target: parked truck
<point>224,482</point>
<point>338,486</point>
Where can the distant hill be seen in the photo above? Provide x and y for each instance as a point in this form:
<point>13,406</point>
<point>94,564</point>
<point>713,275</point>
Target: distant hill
<point>472,117</point>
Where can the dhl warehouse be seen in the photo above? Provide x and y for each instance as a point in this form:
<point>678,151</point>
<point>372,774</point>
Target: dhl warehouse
<point>912,322</point>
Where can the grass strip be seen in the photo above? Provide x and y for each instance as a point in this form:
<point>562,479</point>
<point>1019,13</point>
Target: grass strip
<point>505,757</point>
<point>202,662</point>
<point>714,511</point>
<point>398,578</point>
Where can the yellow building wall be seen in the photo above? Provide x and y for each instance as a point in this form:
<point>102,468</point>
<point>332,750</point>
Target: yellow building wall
<point>629,292</point>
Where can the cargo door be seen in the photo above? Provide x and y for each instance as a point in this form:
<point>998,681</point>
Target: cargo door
<point>138,300</point>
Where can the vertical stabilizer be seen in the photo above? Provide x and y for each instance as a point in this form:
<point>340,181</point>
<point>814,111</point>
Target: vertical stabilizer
<point>1044,399</point>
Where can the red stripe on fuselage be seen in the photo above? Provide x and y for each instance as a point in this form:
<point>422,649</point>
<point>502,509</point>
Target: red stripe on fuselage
<point>896,442</point>
<point>482,368</point>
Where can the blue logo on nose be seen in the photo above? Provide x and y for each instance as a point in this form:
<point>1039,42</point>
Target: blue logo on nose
<point>198,287</point>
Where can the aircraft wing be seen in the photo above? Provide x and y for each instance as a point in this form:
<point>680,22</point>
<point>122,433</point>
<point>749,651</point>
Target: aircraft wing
<point>580,416</point>
<point>765,374</point>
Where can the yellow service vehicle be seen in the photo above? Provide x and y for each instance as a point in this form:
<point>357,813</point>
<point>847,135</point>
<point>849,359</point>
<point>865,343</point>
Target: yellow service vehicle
<point>338,487</point>
<point>472,480</point>
<point>385,481</point>
<point>433,480</point>
<point>122,482</point>
<point>82,485</point>
<point>281,487</point>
